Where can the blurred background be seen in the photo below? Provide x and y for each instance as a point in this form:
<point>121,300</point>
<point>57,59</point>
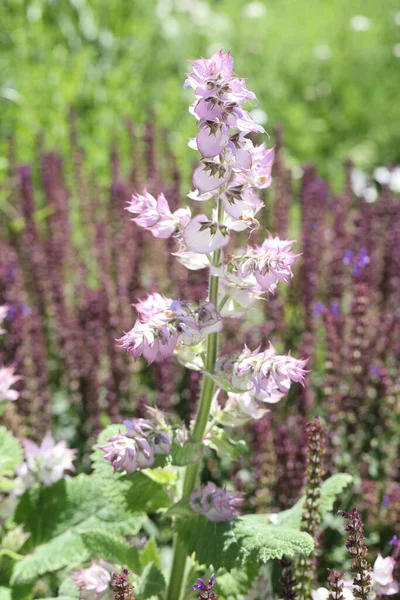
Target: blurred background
<point>327,70</point>
<point>93,108</point>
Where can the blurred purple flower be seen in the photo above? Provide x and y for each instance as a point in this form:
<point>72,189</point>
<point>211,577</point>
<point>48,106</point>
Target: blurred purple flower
<point>358,261</point>
<point>216,504</point>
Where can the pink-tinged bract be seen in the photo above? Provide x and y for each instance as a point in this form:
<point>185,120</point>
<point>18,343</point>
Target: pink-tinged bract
<point>210,176</point>
<point>203,236</point>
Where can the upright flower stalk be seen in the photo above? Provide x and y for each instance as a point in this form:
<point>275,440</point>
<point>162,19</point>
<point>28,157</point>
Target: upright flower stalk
<point>230,172</point>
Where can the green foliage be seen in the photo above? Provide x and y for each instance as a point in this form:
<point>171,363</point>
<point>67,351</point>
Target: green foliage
<point>113,549</point>
<point>66,550</point>
<point>150,554</point>
<point>224,445</point>
<point>11,456</point>
<point>151,582</point>
<point>73,504</point>
<point>330,490</point>
<point>68,523</point>
<point>246,539</point>
<point>5,593</point>
<point>188,454</point>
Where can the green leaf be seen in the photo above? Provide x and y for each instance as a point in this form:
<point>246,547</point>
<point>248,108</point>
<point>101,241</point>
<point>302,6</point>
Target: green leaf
<point>5,593</point>
<point>224,445</point>
<point>77,503</point>
<point>188,454</point>
<point>68,589</point>
<point>105,545</point>
<point>66,550</point>
<point>61,515</point>
<point>231,584</point>
<point>330,490</point>
<point>151,583</point>
<point>181,508</point>
<point>248,538</point>
<point>11,454</point>
<point>150,554</point>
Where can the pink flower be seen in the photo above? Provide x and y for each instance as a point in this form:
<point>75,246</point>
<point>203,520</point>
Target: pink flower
<point>93,582</point>
<point>136,448</point>
<point>154,342</point>
<point>219,68</point>
<point>196,321</point>
<point>266,375</point>
<point>128,452</point>
<point>153,305</point>
<point>216,504</point>
<point>7,379</point>
<point>164,323</point>
<point>382,576</point>
<point>47,463</point>
<point>155,215</point>
<point>262,162</point>
<point>204,236</point>
<point>260,268</point>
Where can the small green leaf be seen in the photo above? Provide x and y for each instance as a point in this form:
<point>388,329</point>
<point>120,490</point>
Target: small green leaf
<point>330,490</point>
<point>152,582</point>
<point>150,554</point>
<point>181,508</point>
<point>102,544</point>
<point>66,550</point>
<point>224,445</point>
<point>5,593</point>
<point>245,539</point>
<point>188,454</point>
<point>11,454</point>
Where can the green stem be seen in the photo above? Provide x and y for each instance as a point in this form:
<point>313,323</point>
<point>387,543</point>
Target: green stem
<point>203,413</point>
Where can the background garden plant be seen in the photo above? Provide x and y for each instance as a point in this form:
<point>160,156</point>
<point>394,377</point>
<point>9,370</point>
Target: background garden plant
<point>68,299</point>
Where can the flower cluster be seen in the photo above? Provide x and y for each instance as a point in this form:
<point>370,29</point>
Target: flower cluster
<point>7,380</point>
<point>250,272</point>
<point>137,447</point>
<point>163,324</point>
<point>206,589</point>
<point>266,375</point>
<point>214,503</point>
<point>383,583</point>
<point>94,582</point>
<point>45,464</point>
<point>121,587</point>
<point>156,216</point>
<point>358,552</point>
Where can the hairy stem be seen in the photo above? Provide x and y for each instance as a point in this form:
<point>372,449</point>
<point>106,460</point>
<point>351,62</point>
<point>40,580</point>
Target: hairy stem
<point>203,412</point>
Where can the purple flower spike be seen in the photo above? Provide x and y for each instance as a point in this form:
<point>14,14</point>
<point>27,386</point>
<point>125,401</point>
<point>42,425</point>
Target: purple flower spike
<point>358,261</point>
<point>207,593</point>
